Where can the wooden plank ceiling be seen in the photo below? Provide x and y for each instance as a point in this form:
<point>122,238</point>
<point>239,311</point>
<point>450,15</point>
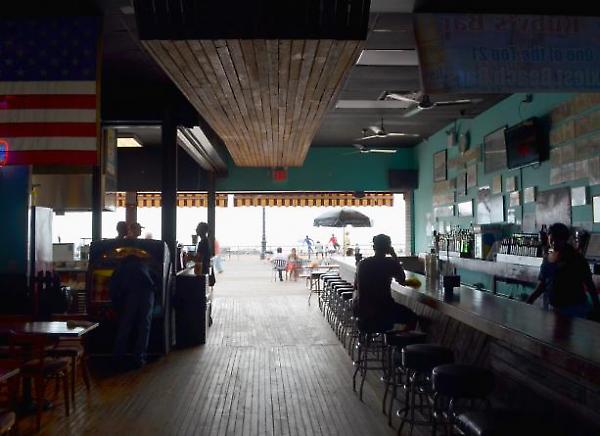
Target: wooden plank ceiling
<point>265,98</point>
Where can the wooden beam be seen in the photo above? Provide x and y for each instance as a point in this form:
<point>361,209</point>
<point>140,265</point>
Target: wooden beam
<point>265,98</point>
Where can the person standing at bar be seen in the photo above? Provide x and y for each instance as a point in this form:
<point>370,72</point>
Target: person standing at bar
<point>122,230</point>
<point>565,277</point>
<point>373,302</point>
<point>203,251</point>
<point>132,289</point>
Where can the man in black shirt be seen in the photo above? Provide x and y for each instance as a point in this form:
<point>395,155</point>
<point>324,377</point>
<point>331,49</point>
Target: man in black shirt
<point>373,302</point>
<point>565,277</point>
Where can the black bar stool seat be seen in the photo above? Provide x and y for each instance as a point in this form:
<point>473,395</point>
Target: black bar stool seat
<point>395,341</point>
<point>462,381</point>
<point>425,357</point>
<point>503,422</point>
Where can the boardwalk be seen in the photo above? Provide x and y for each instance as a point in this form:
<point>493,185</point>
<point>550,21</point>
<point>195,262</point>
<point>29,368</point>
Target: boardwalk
<point>271,366</point>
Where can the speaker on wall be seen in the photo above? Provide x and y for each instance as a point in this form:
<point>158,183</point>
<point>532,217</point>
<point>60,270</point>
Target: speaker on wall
<point>403,180</point>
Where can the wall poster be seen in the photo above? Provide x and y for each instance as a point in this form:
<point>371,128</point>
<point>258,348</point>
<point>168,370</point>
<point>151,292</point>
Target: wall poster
<point>553,206</point>
<point>494,151</point>
<point>439,166</point>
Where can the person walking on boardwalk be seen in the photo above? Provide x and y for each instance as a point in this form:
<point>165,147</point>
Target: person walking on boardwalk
<point>309,245</point>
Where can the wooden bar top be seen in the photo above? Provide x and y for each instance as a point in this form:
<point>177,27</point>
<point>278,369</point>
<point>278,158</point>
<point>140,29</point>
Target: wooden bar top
<point>539,331</point>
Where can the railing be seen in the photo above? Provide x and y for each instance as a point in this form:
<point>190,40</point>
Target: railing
<point>255,250</point>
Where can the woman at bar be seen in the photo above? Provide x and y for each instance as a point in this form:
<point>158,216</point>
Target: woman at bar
<point>565,277</point>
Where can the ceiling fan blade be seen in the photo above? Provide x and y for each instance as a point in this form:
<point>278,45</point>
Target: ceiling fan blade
<point>457,102</point>
<point>414,111</point>
<point>413,135</point>
<point>367,137</point>
<point>394,96</point>
<point>382,150</point>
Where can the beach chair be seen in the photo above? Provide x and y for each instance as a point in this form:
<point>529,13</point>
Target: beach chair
<point>278,265</point>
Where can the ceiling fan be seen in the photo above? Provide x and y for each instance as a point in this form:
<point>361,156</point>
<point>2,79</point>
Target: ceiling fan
<point>423,102</point>
<point>380,132</point>
<point>366,149</point>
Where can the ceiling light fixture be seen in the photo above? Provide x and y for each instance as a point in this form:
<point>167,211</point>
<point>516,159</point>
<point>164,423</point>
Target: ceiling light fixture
<point>128,142</point>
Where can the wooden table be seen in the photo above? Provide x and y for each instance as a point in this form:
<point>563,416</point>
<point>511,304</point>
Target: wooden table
<point>50,328</point>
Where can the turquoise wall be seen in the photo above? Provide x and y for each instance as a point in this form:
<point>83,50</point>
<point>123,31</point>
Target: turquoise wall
<point>325,169</point>
<point>506,113</point>
<point>14,204</point>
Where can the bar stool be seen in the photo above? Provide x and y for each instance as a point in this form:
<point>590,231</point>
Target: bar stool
<point>395,341</point>
<point>370,347</point>
<point>417,361</point>
<point>454,382</point>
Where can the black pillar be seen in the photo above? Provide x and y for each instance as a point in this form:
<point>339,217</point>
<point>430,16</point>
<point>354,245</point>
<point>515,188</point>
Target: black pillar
<point>263,242</point>
<point>169,182</point>
<point>211,203</point>
<point>97,203</point>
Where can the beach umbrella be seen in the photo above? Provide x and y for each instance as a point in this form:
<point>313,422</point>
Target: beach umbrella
<point>342,218</point>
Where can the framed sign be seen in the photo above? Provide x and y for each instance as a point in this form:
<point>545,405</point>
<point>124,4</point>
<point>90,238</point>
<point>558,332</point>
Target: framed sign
<point>471,176</point>
<point>553,206</point>
<point>578,196</point>
<point>439,166</point>
<point>510,184</point>
<point>529,194</point>
<point>494,151</point>
<point>497,184</point>
<point>465,208</point>
<point>596,206</point>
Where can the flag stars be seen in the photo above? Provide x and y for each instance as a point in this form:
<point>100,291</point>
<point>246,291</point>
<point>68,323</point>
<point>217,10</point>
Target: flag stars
<point>64,72</point>
<point>20,72</point>
<point>8,62</point>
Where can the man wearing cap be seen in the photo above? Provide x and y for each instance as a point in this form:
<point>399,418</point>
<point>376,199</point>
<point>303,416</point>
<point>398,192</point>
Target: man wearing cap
<point>373,302</point>
<point>135,231</point>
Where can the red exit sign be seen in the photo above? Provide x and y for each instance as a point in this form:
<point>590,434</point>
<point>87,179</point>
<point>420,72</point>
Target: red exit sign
<point>280,174</point>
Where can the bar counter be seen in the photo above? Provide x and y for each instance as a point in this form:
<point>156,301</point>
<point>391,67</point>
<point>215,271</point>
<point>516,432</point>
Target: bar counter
<point>539,357</point>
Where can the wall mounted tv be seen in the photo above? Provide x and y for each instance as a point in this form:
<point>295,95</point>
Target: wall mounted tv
<point>525,144</point>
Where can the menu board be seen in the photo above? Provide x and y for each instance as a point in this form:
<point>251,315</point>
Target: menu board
<point>553,206</point>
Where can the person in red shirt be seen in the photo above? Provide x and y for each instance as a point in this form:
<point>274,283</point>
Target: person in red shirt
<point>334,243</point>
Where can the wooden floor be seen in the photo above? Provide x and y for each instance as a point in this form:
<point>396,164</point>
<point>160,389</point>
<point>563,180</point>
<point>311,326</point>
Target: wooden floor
<point>271,366</point>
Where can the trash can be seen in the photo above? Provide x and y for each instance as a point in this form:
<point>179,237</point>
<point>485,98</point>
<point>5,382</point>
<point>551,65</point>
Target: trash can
<point>191,309</point>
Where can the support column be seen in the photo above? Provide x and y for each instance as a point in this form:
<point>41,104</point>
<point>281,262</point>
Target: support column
<point>409,224</point>
<point>263,242</point>
<point>211,212</point>
<point>169,182</point>
<point>97,203</point>
<point>130,207</point>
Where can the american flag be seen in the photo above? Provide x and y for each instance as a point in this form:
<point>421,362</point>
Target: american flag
<point>48,95</point>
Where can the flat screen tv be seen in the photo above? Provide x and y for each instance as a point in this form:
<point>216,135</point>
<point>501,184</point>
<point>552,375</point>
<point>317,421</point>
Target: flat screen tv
<point>525,144</point>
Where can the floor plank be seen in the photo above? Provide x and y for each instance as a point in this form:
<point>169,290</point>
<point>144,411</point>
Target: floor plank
<point>271,366</point>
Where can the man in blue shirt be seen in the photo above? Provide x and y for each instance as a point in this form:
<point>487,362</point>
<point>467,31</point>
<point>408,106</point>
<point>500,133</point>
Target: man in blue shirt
<point>132,289</point>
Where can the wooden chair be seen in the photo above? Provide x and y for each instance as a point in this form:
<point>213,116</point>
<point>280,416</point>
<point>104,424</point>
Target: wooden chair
<point>73,349</point>
<point>7,422</point>
<point>31,351</point>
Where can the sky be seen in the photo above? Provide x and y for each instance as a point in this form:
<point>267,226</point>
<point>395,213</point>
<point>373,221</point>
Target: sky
<point>242,226</point>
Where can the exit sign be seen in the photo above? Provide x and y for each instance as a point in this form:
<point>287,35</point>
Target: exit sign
<point>3,152</point>
<point>279,174</point>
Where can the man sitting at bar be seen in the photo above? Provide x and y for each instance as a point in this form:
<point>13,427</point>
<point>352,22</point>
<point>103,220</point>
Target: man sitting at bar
<point>373,302</point>
<point>565,277</point>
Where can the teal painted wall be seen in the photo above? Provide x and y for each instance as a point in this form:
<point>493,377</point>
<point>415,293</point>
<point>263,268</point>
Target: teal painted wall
<point>14,204</point>
<point>506,113</point>
<point>325,169</point>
